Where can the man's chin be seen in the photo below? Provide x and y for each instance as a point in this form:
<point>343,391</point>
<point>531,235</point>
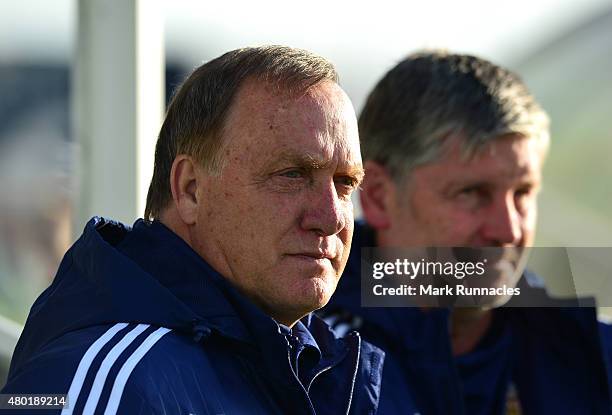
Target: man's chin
<point>316,292</point>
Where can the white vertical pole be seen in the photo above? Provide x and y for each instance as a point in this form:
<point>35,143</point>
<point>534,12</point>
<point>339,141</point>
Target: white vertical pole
<point>150,82</point>
<point>117,105</point>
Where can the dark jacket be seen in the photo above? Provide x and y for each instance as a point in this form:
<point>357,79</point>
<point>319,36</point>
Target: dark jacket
<point>554,360</point>
<point>136,322</point>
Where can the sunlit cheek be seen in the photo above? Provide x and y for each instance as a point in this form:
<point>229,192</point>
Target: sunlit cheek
<point>528,210</point>
<point>531,222</point>
<point>349,218</point>
<point>459,217</point>
<point>461,228</point>
<point>468,202</point>
<point>348,223</point>
<point>340,265</point>
<point>283,207</point>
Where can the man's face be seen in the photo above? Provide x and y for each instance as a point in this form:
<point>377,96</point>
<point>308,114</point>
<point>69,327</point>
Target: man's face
<point>487,200</point>
<point>280,218</point>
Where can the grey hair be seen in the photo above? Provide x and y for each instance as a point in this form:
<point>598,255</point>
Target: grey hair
<point>431,96</point>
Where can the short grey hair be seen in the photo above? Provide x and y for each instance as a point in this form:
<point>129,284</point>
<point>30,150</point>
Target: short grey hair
<point>434,95</point>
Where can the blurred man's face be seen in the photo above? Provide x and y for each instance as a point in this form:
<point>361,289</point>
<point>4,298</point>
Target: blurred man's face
<point>488,200</point>
<point>280,219</point>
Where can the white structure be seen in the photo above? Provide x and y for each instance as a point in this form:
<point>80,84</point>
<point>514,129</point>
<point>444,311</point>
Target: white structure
<point>118,88</point>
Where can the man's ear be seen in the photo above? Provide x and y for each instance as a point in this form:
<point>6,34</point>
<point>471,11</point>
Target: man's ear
<point>184,178</point>
<point>378,193</point>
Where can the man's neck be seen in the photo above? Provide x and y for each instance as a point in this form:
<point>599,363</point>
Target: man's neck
<point>467,327</point>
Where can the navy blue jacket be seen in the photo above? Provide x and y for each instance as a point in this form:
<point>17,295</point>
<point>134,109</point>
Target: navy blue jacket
<point>136,322</point>
<point>553,360</point>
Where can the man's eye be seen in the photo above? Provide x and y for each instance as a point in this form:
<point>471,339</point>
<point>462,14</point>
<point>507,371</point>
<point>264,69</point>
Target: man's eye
<point>347,181</point>
<point>523,192</point>
<point>472,197</point>
<point>292,174</point>
<point>470,191</point>
<point>346,185</point>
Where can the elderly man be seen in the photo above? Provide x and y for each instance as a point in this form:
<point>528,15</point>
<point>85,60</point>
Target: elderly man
<point>453,148</point>
<point>204,306</point>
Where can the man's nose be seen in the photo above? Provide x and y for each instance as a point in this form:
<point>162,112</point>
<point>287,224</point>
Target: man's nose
<point>502,223</point>
<point>324,212</point>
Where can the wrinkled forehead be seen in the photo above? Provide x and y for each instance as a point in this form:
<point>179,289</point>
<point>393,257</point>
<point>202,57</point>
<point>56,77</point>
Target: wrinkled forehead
<point>508,147</point>
<point>319,123</point>
<point>255,92</point>
<point>506,160</point>
<point>323,104</point>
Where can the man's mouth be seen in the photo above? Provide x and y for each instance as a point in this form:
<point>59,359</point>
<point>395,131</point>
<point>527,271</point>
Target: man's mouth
<point>313,255</point>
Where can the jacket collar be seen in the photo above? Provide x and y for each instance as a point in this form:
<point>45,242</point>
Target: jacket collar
<point>186,293</point>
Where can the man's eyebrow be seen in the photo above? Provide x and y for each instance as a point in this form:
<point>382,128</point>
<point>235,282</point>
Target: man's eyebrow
<point>472,181</point>
<point>459,183</point>
<point>305,160</point>
<point>357,171</point>
<point>309,161</point>
<point>489,182</point>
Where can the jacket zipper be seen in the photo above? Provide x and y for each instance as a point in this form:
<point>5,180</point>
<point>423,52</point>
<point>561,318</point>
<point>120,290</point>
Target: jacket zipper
<point>289,346</point>
<point>354,334</point>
